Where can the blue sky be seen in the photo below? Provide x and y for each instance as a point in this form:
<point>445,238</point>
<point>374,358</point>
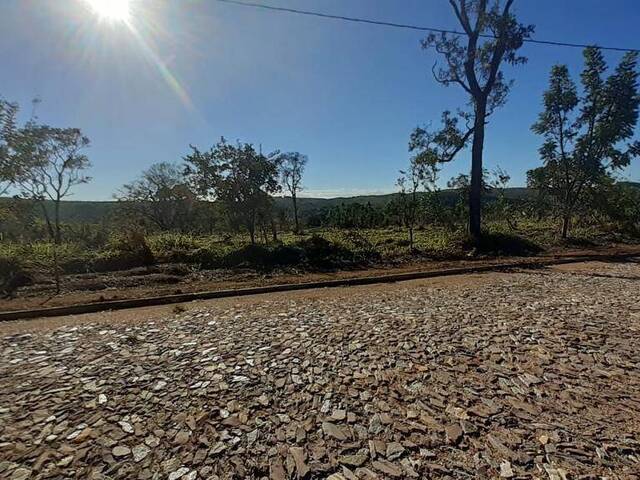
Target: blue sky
<point>345,94</point>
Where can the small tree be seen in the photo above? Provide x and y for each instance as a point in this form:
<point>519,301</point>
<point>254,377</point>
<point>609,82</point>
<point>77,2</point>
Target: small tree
<point>419,175</point>
<point>498,183</point>
<point>55,165</point>
<point>292,166</point>
<point>9,166</point>
<point>582,148</point>
<point>238,176</point>
<point>493,36</point>
<point>160,197</point>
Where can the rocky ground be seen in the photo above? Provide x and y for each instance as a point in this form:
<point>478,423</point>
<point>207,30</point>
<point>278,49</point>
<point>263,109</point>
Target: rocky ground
<point>532,374</point>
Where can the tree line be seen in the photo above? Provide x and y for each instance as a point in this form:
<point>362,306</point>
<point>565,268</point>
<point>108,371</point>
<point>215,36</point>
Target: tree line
<point>236,182</point>
<point>586,135</point>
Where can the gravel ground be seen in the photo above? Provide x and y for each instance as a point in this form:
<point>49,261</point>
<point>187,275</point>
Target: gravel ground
<point>525,375</point>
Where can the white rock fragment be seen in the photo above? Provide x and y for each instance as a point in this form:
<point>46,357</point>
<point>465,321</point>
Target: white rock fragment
<point>181,472</point>
<point>126,426</point>
<point>159,385</point>
<point>140,451</point>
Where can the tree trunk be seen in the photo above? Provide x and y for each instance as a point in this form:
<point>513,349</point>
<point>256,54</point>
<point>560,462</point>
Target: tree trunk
<point>57,221</point>
<point>252,227</point>
<point>56,244</point>
<point>47,220</point>
<point>565,226</point>
<point>56,268</point>
<point>411,237</point>
<point>475,191</point>
<point>295,212</point>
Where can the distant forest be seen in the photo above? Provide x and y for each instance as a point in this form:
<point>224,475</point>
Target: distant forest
<point>95,212</point>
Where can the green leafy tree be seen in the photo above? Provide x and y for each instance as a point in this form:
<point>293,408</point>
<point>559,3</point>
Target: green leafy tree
<point>9,166</point>
<point>501,207</point>
<point>492,36</point>
<point>616,205</point>
<point>160,197</point>
<point>240,177</point>
<point>292,166</point>
<point>419,175</point>
<point>587,137</point>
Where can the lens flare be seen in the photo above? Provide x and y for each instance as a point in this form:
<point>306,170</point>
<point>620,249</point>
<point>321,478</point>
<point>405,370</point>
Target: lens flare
<point>115,10</point>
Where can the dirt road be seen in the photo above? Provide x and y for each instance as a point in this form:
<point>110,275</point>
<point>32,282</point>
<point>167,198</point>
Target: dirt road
<point>531,374</point>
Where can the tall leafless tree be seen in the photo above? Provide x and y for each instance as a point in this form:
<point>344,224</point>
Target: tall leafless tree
<point>292,166</point>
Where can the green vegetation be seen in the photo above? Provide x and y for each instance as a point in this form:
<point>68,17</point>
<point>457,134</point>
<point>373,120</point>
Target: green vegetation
<point>315,250</point>
<point>221,207</point>
<point>587,138</point>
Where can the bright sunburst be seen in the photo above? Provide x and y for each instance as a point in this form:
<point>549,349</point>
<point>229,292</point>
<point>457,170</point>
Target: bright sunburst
<point>117,10</point>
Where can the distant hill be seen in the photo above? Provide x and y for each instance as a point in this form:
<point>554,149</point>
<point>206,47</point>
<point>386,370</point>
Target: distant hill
<point>448,196</point>
<point>78,211</point>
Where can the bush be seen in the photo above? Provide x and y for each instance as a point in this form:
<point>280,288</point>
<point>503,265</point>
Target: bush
<point>263,257</point>
<point>499,243</point>
<point>248,255</point>
<point>125,251</point>
<point>204,257</point>
<point>322,253</point>
<point>170,243</point>
<point>12,276</point>
<point>287,255</point>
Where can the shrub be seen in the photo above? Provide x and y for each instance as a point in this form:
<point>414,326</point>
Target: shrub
<point>246,256</point>
<point>264,257</point>
<point>287,255</point>
<point>204,257</point>
<point>125,251</point>
<point>500,243</point>
<point>170,243</point>
<point>12,276</point>
<point>322,253</point>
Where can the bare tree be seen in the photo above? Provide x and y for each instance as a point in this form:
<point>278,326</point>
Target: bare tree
<point>292,166</point>
<point>493,36</point>
<point>55,166</point>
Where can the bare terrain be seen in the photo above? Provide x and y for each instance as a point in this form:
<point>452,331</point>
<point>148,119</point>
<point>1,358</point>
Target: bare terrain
<point>531,374</point>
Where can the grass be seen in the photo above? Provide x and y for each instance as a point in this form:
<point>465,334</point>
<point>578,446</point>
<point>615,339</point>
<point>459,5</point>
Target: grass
<point>313,250</point>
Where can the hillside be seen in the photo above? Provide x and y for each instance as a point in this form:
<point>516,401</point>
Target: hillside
<point>78,211</point>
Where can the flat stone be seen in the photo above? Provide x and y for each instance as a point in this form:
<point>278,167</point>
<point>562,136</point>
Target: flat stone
<point>140,452</point>
<point>453,433</point>
<point>353,460</point>
<point>180,473</point>
<point>332,430</point>
<point>394,450</point>
<point>120,451</point>
<point>387,468</point>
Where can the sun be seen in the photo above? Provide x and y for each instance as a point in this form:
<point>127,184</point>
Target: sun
<point>115,10</point>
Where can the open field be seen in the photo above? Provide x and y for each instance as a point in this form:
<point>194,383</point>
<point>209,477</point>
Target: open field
<point>531,374</point>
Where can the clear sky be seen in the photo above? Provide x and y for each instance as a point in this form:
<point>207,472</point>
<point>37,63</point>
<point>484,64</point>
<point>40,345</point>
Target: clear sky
<point>347,95</point>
